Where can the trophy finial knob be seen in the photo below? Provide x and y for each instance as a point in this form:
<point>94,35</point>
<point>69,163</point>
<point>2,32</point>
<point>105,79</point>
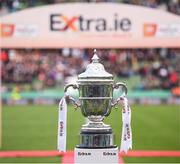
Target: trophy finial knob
<point>95,58</point>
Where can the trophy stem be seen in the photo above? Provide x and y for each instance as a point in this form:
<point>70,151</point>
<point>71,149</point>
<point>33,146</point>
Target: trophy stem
<point>96,118</point>
<point>95,123</point>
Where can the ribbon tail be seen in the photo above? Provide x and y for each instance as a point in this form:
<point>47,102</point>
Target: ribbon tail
<point>62,125</point>
<point>130,145</point>
<point>123,146</point>
<point>126,138</point>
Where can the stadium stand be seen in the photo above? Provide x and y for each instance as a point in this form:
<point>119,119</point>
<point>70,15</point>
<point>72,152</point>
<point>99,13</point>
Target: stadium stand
<point>7,6</point>
<point>155,68</point>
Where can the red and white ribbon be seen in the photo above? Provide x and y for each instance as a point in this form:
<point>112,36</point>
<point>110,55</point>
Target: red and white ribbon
<point>62,125</point>
<point>126,139</point>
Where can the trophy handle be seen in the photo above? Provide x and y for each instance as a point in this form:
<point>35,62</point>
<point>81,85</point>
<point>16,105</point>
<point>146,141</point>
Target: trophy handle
<point>125,90</point>
<point>74,86</point>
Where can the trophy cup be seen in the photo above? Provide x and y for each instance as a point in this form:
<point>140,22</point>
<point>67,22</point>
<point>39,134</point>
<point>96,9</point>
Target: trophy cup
<point>95,87</point>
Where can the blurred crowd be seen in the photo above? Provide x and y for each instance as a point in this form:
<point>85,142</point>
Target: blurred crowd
<point>7,6</point>
<point>156,68</point>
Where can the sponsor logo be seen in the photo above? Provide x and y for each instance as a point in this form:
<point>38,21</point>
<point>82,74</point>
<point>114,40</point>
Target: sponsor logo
<point>128,131</point>
<point>61,107</point>
<point>109,153</point>
<point>168,30</point>
<point>161,30</point>
<point>26,30</point>
<point>150,29</point>
<point>7,30</point>
<point>84,153</point>
<point>62,23</point>
<point>19,30</point>
<point>61,128</point>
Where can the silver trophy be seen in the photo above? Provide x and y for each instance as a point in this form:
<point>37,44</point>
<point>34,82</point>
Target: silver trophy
<point>95,87</point>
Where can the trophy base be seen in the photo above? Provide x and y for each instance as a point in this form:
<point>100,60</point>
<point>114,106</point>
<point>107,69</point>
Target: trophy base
<point>105,155</point>
<point>96,139</point>
<point>96,134</point>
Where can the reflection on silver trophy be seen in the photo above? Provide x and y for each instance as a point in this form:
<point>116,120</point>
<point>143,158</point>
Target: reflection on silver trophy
<point>95,87</point>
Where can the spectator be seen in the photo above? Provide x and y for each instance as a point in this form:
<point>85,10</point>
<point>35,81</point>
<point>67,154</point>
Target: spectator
<point>50,68</point>
<point>14,5</point>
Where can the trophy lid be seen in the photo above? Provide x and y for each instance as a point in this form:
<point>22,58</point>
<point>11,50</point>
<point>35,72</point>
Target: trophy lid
<point>95,70</point>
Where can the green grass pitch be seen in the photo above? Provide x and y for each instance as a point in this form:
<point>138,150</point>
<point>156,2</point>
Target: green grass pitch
<point>34,127</point>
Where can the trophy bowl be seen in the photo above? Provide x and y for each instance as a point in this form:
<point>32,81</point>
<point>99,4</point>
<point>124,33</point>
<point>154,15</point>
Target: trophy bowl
<point>95,87</point>
<point>95,99</point>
